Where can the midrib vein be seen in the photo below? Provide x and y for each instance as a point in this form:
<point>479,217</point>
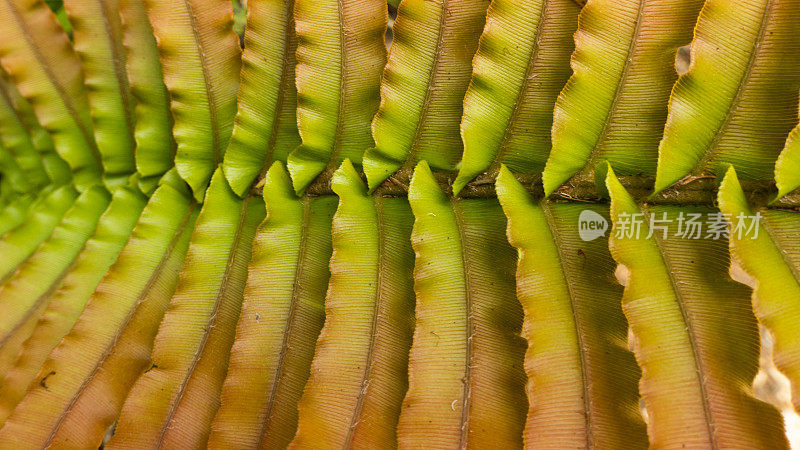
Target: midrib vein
<point>596,150</point>
<point>212,101</point>
<point>700,370</point>
<point>288,329</point>
<point>517,107</point>
<point>585,368</point>
<point>373,337</point>
<point>698,168</point>
<point>220,294</point>
<point>343,68</point>
<point>426,101</point>
<point>284,85</point>
<point>123,87</point>
<point>466,400</point>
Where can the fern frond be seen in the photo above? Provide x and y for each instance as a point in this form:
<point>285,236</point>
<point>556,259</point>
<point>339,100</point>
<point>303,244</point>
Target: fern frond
<point>582,379</point>
<point>24,297</point>
<point>696,338</point>
<point>265,129</point>
<point>97,38</point>
<point>58,171</point>
<point>521,65</point>
<point>15,138</point>
<point>423,87</point>
<point>466,378</point>
<point>771,255</point>
<point>17,245</point>
<point>175,402</point>
<point>155,145</point>
<point>61,309</point>
<point>358,376</point>
<point>201,59</point>
<point>738,101</point>
<point>340,56</point>
<point>110,344</point>
<point>282,315</point>
<point>613,108</point>
<point>40,60</point>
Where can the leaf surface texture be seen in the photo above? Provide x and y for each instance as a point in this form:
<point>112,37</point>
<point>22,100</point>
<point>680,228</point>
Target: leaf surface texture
<point>358,376</point>
<point>340,56</point>
<point>696,338</point>
<point>466,378</point>
<point>738,102</point>
<point>265,129</point>
<point>201,60</point>
<point>771,255</point>
<point>282,315</point>
<point>423,87</point>
<point>521,65</point>
<point>582,379</point>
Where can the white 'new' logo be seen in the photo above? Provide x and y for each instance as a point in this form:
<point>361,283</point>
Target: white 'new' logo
<point>591,225</point>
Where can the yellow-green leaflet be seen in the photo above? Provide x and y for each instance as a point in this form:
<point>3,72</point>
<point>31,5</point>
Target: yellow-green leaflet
<point>265,129</point>
<point>97,36</point>
<point>614,106</point>
<point>423,87</point>
<point>582,379</point>
<point>465,374</point>
<point>155,146</point>
<point>738,101</point>
<point>787,168</point>
<point>201,59</point>
<point>520,67</point>
<point>11,171</point>
<point>58,171</point>
<point>67,298</point>
<point>696,338</point>
<point>770,253</point>
<point>173,403</point>
<point>110,344</point>
<point>22,241</point>
<point>15,138</point>
<point>54,85</point>
<point>281,317</point>
<point>340,56</point>
<point>358,376</point>
<point>25,295</point>
<point>14,214</point>
<point>6,190</point>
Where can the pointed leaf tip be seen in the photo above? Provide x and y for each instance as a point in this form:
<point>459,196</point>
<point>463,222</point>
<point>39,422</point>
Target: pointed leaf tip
<point>730,191</point>
<point>612,183</point>
<point>278,185</point>
<point>507,185</point>
<point>347,180</point>
<point>377,168</point>
<point>303,169</point>
<point>504,174</point>
<point>423,183</point>
<point>460,183</point>
<point>787,168</point>
<point>728,108</point>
